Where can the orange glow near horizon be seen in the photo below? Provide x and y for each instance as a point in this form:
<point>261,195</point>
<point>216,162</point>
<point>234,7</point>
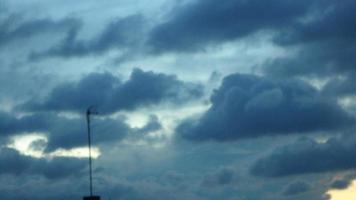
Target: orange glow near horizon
<point>347,194</point>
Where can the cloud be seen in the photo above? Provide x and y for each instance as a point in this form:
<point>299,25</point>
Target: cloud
<point>296,188</point>
<point>341,87</point>
<point>326,42</point>
<point>222,177</point>
<point>59,167</point>
<point>152,125</point>
<point>248,106</point>
<point>107,189</point>
<point>10,125</point>
<point>328,20</point>
<point>110,95</point>
<point>196,25</point>
<point>67,133</point>
<point>243,107</point>
<point>341,184</point>
<point>14,28</point>
<point>307,156</point>
<point>121,34</point>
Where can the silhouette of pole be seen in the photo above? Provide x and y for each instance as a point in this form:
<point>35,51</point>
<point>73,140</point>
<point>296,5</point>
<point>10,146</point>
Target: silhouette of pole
<point>88,113</point>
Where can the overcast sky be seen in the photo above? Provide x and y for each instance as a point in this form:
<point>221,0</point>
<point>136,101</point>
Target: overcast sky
<point>197,99</point>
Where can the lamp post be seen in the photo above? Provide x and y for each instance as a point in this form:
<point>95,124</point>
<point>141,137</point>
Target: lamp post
<point>90,111</point>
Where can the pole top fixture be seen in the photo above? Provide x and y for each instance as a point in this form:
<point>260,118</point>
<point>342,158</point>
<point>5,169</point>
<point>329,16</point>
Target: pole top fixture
<point>91,110</point>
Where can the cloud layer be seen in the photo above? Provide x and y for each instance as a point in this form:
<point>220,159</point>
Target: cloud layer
<point>196,25</point>
<point>308,156</point>
<point>57,168</point>
<point>119,34</point>
<point>14,28</point>
<point>68,133</point>
<point>248,106</point>
<point>109,94</point>
<point>326,42</point>
<point>58,58</point>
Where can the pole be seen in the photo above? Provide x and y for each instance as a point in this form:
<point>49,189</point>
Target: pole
<point>90,161</point>
<point>90,111</point>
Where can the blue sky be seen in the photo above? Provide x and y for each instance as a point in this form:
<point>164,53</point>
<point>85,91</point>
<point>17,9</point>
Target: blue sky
<point>198,100</point>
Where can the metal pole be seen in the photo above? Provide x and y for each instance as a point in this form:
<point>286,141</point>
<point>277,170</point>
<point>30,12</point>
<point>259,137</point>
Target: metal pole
<point>90,161</point>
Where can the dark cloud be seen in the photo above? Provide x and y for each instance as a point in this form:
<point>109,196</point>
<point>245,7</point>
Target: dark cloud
<point>37,187</point>
<point>12,162</point>
<point>14,28</point>
<point>9,124</point>
<point>222,177</point>
<point>196,25</point>
<point>120,34</point>
<point>69,133</point>
<point>108,189</point>
<point>326,42</point>
<point>308,156</point>
<point>316,59</point>
<point>329,20</point>
<point>340,184</point>
<point>60,167</point>
<point>110,95</point>
<point>296,188</point>
<point>243,107</point>
<point>93,89</point>
<point>341,87</point>
<point>63,132</point>
<point>323,31</point>
<point>247,106</point>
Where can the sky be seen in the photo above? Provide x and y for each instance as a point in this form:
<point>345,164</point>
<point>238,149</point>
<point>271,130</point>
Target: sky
<point>197,99</point>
